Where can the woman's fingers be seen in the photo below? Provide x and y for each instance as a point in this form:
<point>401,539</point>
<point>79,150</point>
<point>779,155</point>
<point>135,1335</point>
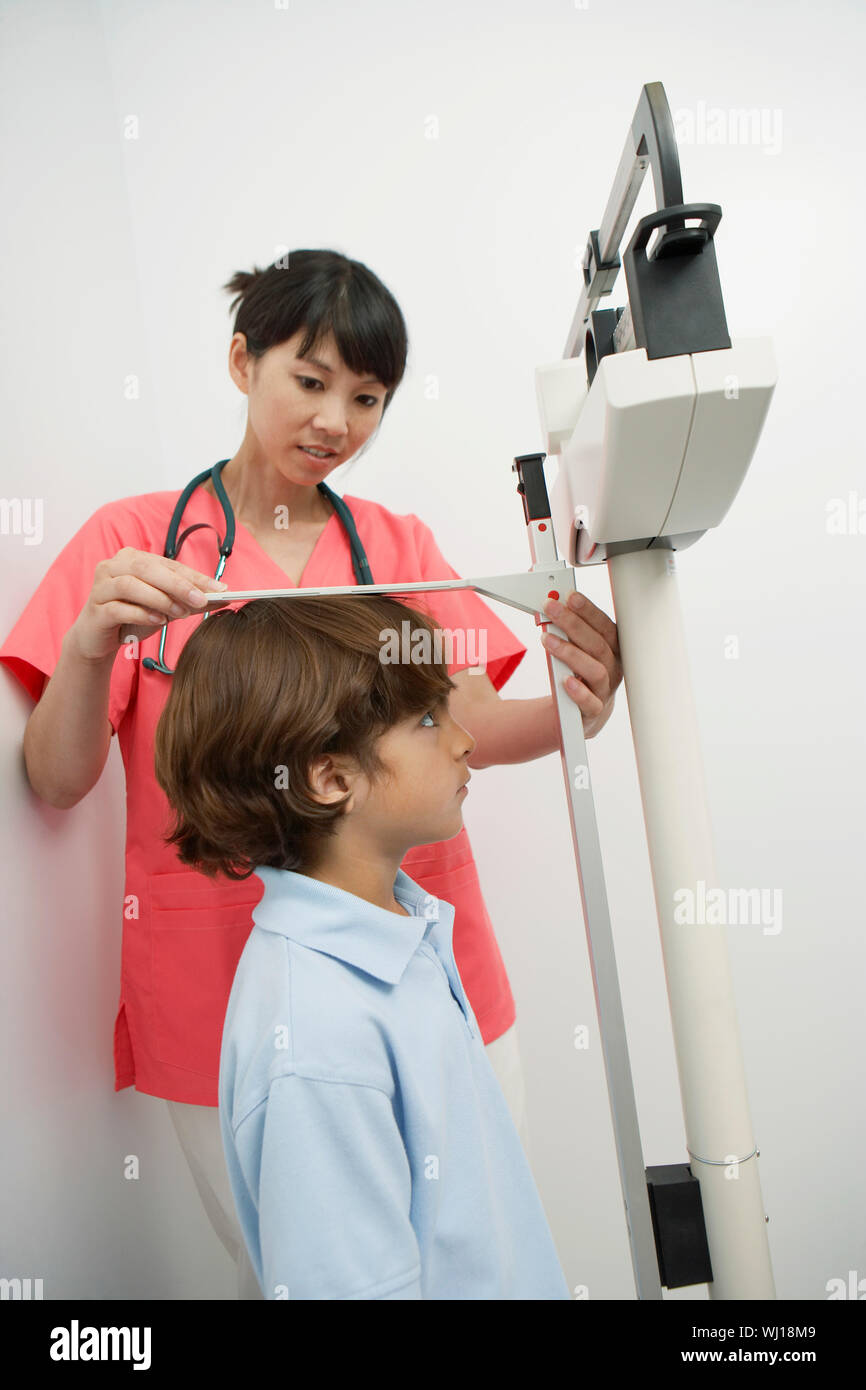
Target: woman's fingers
<point>591,651</point>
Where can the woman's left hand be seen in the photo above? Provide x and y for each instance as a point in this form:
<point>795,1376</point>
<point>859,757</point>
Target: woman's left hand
<point>592,653</point>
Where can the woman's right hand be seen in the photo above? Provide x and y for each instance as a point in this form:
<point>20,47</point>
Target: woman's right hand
<point>134,593</point>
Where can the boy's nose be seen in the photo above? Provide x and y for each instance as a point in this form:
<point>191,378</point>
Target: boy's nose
<point>467,743</point>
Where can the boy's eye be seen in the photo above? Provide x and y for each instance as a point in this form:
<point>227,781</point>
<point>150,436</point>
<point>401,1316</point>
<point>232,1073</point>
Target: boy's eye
<point>429,715</point>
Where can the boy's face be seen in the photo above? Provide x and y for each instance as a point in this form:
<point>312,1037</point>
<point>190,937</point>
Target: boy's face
<point>421,801</point>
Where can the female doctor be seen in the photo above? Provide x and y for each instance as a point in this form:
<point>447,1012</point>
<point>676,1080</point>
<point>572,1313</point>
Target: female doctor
<point>319,348</point>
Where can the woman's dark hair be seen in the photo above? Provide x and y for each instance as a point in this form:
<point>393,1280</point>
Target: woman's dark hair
<point>261,691</point>
<point>325,293</point>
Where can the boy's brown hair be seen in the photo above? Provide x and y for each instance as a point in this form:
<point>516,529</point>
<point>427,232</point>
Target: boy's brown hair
<point>261,691</point>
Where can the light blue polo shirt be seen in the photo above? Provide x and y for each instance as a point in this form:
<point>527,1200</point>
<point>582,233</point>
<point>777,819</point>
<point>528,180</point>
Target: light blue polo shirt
<point>370,1149</point>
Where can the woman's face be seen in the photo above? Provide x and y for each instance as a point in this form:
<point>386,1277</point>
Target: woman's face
<point>296,402</point>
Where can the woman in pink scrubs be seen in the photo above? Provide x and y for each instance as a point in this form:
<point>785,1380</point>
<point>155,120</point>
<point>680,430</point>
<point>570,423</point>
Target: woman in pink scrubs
<point>319,348</point>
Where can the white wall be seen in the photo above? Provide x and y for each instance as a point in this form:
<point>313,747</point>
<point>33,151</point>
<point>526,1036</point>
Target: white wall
<point>263,127</point>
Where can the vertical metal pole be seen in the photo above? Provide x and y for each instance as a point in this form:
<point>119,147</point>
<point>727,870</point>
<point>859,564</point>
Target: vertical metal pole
<point>593,896</point>
<point>721,1146</point>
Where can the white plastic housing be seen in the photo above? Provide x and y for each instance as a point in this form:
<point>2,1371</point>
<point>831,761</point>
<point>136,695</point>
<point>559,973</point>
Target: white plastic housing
<point>653,448</point>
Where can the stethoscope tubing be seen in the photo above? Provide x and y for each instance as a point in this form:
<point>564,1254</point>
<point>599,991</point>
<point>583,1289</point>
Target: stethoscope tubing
<point>360,563</point>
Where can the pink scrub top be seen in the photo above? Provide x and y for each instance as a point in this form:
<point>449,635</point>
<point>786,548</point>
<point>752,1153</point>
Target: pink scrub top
<point>183,933</point>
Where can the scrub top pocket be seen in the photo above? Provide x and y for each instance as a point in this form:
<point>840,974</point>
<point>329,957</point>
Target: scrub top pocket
<point>199,928</point>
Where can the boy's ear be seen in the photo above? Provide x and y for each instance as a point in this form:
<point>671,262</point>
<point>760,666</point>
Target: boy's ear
<point>331,776</point>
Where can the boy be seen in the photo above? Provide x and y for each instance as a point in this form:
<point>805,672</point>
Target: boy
<point>369,1146</point>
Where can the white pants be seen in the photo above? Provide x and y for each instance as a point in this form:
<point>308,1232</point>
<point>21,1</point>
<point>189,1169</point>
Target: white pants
<point>199,1134</point>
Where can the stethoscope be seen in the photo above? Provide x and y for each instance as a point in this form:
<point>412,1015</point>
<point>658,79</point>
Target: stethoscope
<point>360,563</point>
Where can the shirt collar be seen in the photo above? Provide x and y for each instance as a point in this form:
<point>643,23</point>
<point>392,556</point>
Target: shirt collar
<point>340,924</point>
